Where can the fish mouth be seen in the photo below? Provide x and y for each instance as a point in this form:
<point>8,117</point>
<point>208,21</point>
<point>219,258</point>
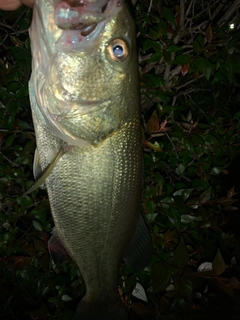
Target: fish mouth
<point>80,19</point>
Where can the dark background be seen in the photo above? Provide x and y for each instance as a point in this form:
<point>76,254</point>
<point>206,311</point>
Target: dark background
<point>189,64</point>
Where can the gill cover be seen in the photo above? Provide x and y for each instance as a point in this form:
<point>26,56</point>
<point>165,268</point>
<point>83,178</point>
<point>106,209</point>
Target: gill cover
<point>67,28</point>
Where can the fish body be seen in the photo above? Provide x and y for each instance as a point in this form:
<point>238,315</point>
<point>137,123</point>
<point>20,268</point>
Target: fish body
<point>84,96</point>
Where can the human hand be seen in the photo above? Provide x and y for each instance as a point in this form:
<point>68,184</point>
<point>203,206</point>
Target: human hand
<point>14,4</point>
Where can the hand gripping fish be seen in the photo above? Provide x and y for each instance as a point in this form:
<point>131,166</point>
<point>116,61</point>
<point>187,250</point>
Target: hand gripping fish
<point>85,105</point>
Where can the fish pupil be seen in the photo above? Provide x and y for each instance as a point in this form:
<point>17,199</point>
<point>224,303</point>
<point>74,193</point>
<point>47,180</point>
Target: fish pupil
<point>118,50</point>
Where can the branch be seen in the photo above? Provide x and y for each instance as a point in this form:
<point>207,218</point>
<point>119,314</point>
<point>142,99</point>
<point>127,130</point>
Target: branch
<point>229,12</point>
<point>218,9</point>
<point>189,8</point>
<point>182,14</point>
<point>167,74</point>
<point>175,72</point>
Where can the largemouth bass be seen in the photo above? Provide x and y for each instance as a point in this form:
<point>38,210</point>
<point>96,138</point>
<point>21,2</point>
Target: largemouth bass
<point>85,105</point>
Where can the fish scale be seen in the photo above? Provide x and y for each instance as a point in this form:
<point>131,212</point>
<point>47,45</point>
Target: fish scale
<point>94,184</point>
<point>84,100</point>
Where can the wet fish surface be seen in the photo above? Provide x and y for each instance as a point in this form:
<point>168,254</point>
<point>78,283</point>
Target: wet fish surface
<point>84,95</point>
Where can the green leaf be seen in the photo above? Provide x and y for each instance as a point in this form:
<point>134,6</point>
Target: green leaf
<point>147,44</point>
<point>180,256</point>
<point>218,264</point>
<point>188,144</point>
<point>24,201</point>
<point>218,76</point>
<point>204,66</point>
<point>150,206</point>
<point>155,57</point>
<point>161,276</point>
<point>161,27</point>
<point>164,100</point>
<point>178,200</point>
<point>187,218</point>
<point>174,217</point>
<point>37,225</point>
<point>153,80</point>
<point>185,288</point>
<point>24,125</point>
<point>216,170</point>
<point>197,139</point>
<point>184,193</point>
<point>181,59</point>
<point>168,15</point>
<point>198,43</point>
<point>66,298</point>
<point>173,48</point>
<point>9,140</point>
<point>130,283</point>
<point>153,34</point>
<point>180,169</point>
<point>157,46</point>
<point>225,288</point>
<point>167,57</point>
<point>205,196</point>
<point>53,299</point>
<point>39,214</point>
<point>236,116</point>
<point>210,139</point>
<point>27,43</point>
<point>233,63</point>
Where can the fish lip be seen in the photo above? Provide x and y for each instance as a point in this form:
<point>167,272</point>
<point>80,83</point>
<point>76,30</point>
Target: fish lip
<point>79,17</point>
<point>82,27</point>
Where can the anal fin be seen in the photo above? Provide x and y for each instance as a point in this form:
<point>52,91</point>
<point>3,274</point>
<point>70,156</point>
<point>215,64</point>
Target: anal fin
<point>139,252</point>
<point>56,248</point>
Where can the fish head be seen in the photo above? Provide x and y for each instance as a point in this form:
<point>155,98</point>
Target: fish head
<point>86,66</point>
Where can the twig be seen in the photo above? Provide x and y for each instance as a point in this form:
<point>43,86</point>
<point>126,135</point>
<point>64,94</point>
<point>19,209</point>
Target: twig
<point>12,163</point>
<point>150,6</point>
<point>187,83</point>
<point>174,147</point>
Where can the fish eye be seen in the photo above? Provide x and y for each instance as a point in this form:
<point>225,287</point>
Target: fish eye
<point>118,50</point>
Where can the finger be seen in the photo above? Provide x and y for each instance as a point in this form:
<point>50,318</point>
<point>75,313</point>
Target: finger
<point>14,4</point>
<point>28,3</point>
<point>10,4</point>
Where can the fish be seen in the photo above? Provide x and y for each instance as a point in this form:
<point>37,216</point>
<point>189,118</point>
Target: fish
<point>84,95</point>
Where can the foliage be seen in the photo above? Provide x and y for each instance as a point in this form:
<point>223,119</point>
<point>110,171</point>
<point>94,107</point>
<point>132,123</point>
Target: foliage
<point>189,74</point>
<point>189,65</point>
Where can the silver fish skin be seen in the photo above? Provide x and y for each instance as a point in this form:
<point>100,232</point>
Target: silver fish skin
<point>84,94</point>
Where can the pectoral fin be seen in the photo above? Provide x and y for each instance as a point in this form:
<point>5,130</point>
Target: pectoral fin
<point>37,170</point>
<point>46,172</point>
<point>139,251</point>
<point>56,249</point>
